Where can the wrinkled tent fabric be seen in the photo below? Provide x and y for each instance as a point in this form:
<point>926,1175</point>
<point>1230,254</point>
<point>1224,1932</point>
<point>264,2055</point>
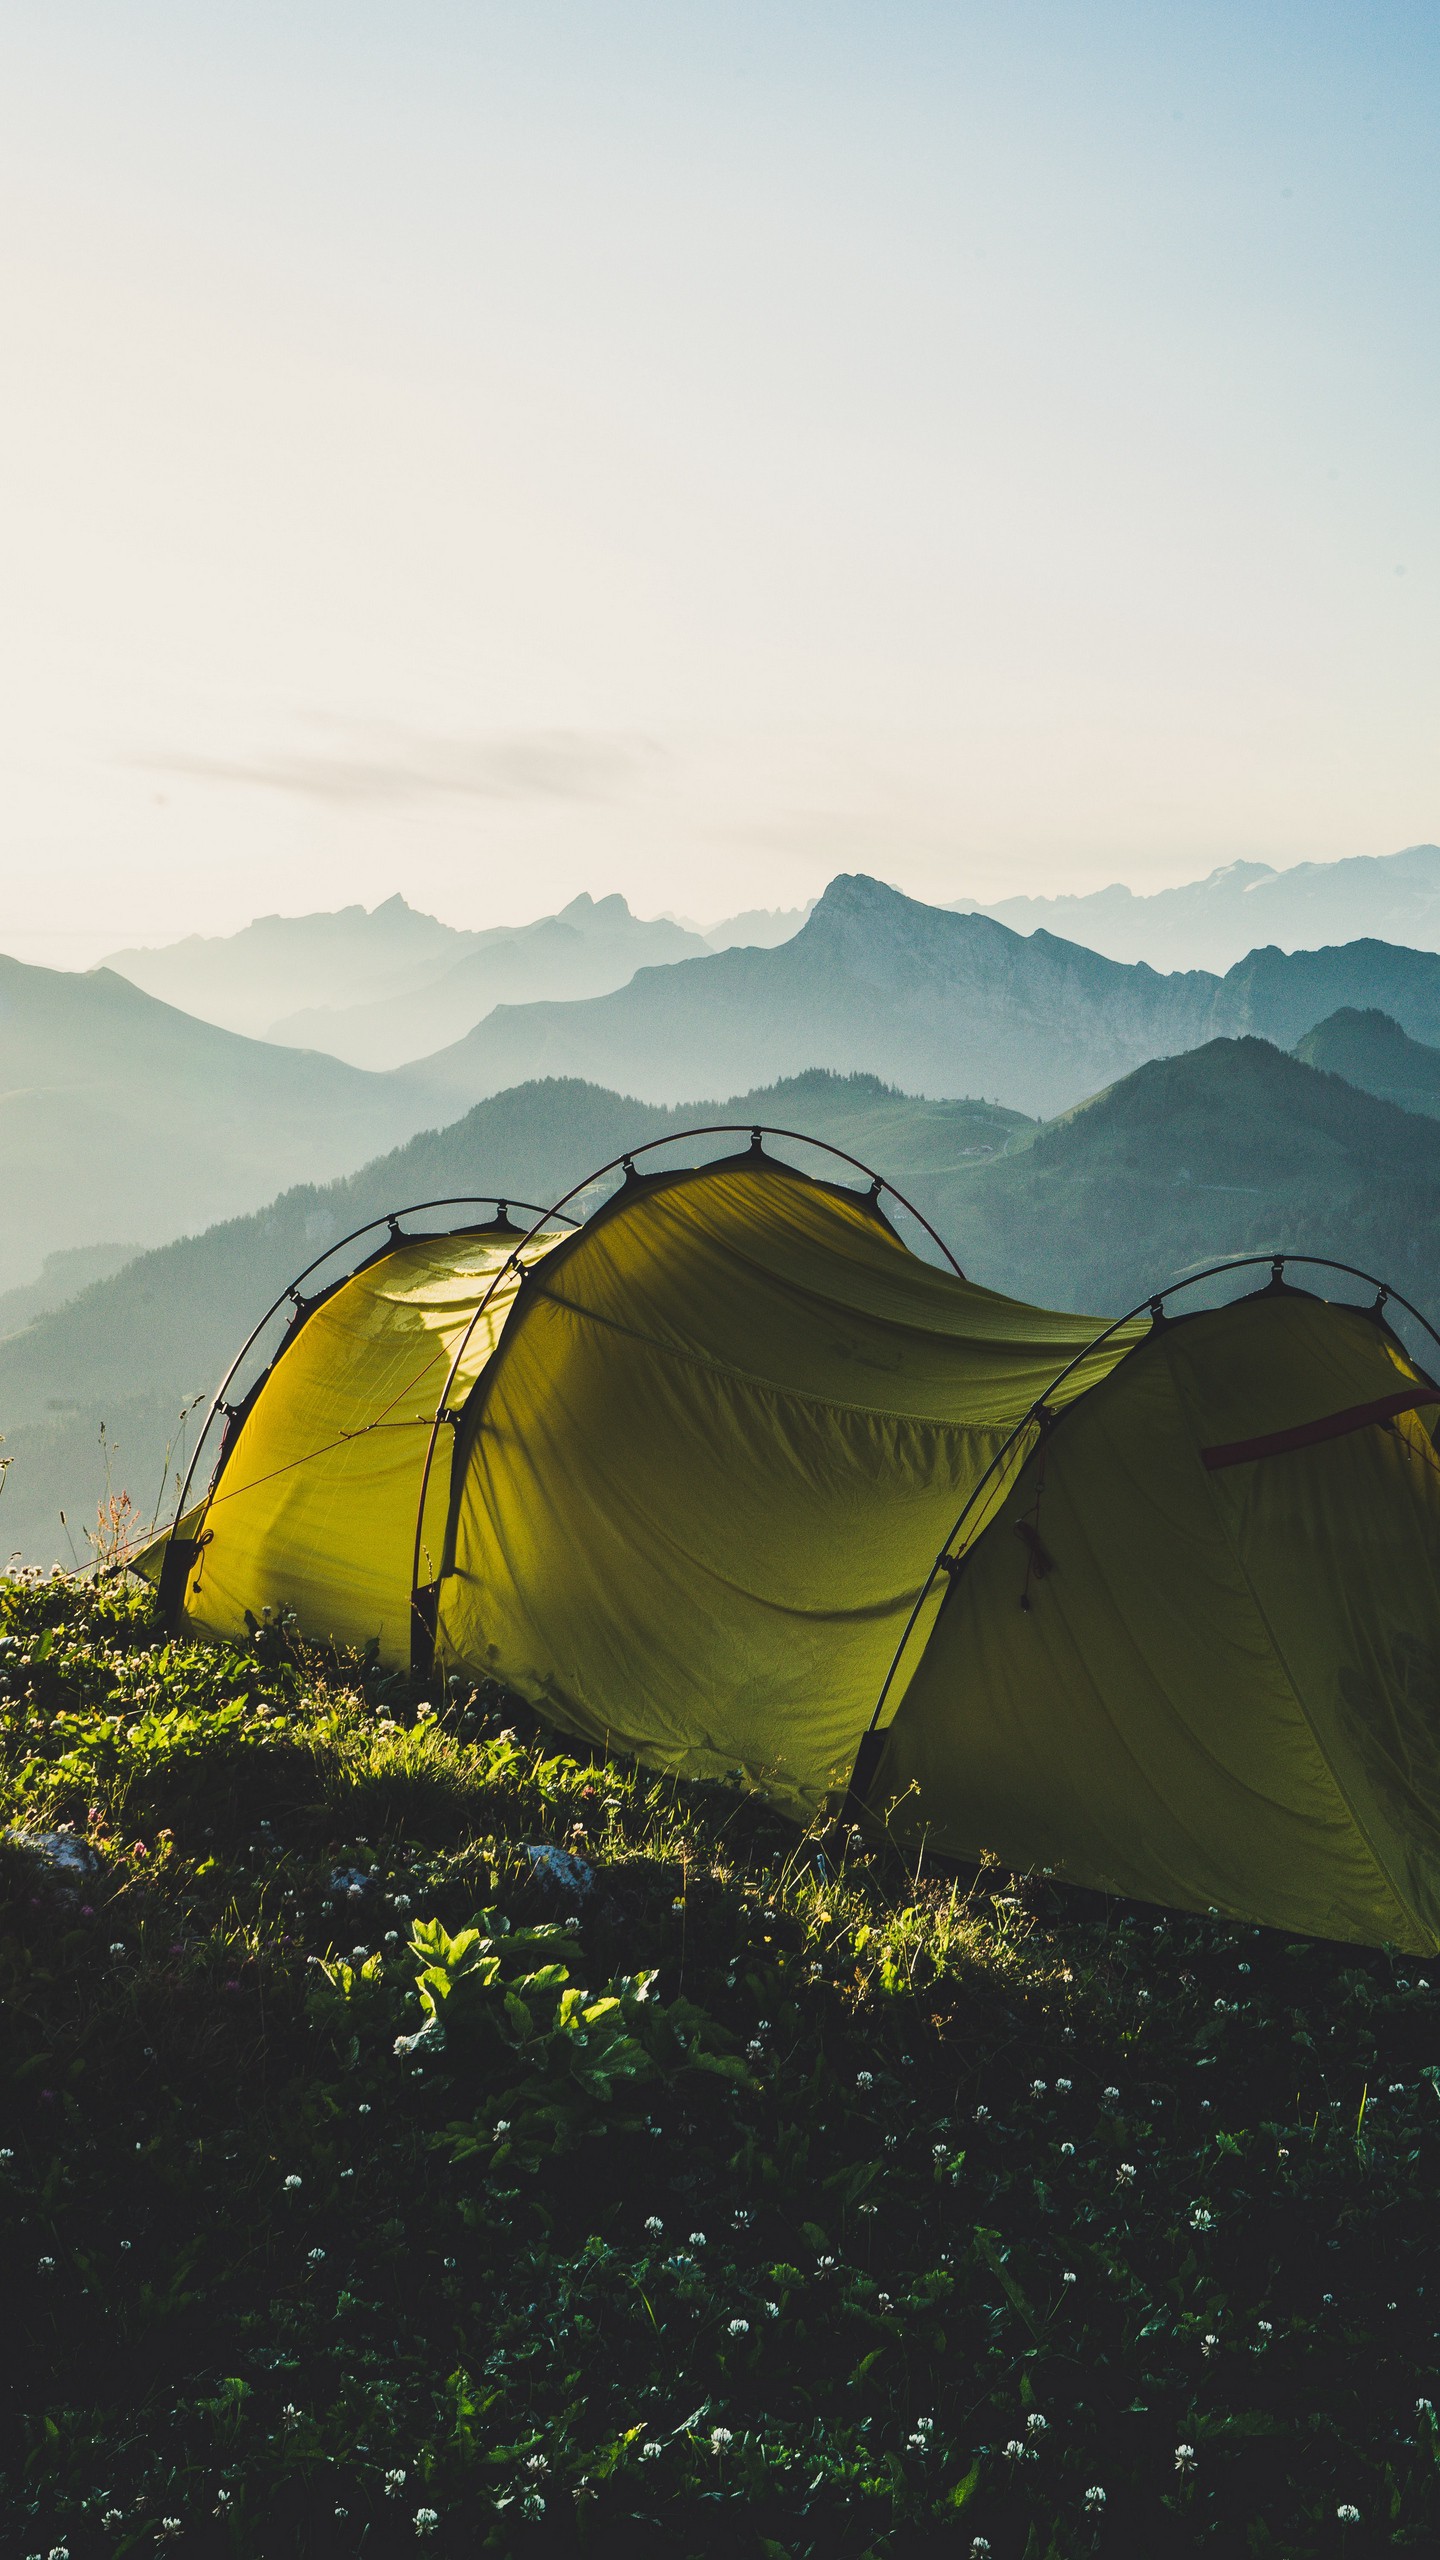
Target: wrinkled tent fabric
<point>706,1454</point>
<point>1225,1687</point>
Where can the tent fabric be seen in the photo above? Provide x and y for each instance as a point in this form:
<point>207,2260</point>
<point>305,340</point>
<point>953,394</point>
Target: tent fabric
<point>709,1450</point>
<point>1225,1689</point>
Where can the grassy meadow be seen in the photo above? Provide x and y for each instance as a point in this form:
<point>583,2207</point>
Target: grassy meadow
<point>367,2186</point>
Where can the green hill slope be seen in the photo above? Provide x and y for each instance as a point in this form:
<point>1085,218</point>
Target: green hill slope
<point>1369,1049</point>
<point>1233,1148</point>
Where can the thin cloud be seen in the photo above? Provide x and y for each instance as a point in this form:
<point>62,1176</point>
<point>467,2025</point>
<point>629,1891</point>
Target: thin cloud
<point>391,767</point>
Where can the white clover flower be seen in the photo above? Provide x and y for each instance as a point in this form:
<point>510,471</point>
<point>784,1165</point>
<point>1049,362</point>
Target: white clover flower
<point>940,2151</point>
<point>5,2158</point>
<point>654,2225</point>
<point>739,2328</point>
<point>1014,2450</point>
<point>721,2439</point>
<point>1110,2097</point>
<point>1266,2328</point>
<point>1201,2218</point>
<point>979,2547</point>
<point>1348,2515</point>
<point>1035,2425</point>
<point>1067,2150</point>
<point>117,1946</point>
<point>1184,2458</point>
<point>924,2426</point>
<point>45,2266</point>
<point>1094,2501</point>
<point>317,2257</point>
<point>1125,2174</point>
<point>772,2309</point>
<point>291,2184</point>
<point>697,2239</point>
<point>502,2125</point>
<point>1069,2276</point>
<point>532,2504</point>
<point>1038,2088</point>
<point>755,2049</point>
<point>982,2115</point>
<point>1424,2408</point>
<point>651,2452</point>
<point>1209,2343</point>
<point>394,2483</point>
<point>1063,2088</point>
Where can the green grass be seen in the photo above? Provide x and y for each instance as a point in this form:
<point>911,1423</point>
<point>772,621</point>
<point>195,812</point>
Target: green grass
<point>1006,2193</point>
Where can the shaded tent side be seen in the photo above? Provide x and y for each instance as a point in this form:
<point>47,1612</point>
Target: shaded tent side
<point>1204,1685</point>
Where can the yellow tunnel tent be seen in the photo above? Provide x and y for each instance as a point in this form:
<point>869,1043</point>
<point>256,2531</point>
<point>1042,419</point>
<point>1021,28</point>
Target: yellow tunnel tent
<point>1154,1605</point>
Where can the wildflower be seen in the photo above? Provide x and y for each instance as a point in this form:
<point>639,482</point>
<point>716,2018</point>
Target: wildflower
<point>1266,2328</point>
<point>1125,2174</point>
<point>1110,2097</point>
<point>1067,2150</point>
<point>5,2158</point>
<point>1063,2088</point>
<point>45,2266</point>
<point>1038,2088</point>
<point>1348,2515</point>
<point>1068,2277</point>
<point>651,2452</point>
<point>1035,2425</point>
<point>1094,2501</point>
<point>1209,2343</point>
<point>317,2257</point>
<point>502,2126</point>
<point>291,2184</point>
<point>982,2115</point>
<point>394,2483</point>
<point>755,2049</point>
<point>1184,2458</point>
<point>721,2439</point>
<point>697,2239</point>
<point>114,2516</point>
<point>979,2547</point>
<point>772,2309</point>
<point>864,2079</point>
<point>536,2462</point>
<point>1424,2408</point>
<point>1201,2218</point>
<point>117,1946</point>
<point>940,2151</point>
<point>1014,2450</point>
<point>654,2225</point>
<point>739,2328</point>
<point>532,2504</point>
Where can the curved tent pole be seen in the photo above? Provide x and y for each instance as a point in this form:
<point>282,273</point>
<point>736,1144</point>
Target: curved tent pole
<point>421,1626</point>
<point>386,1218</point>
<point>1039,1414</point>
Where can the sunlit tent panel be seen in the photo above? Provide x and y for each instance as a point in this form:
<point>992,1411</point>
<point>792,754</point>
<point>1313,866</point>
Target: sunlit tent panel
<point>701,1463</point>
<point>1205,1684</point>
<point>704,1483</point>
<point>314,1512</point>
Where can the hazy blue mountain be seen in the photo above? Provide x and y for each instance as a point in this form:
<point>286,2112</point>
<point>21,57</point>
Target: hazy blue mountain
<point>592,945</point>
<point>934,1001</point>
<point>247,981</point>
<point>120,1116</point>
<point>62,1277</point>
<point>1233,1148</point>
<point>765,926</point>
<point>133,1350</point>
<point>1371,1050</point>
<point>873,983</point>
<point>1211,923</point>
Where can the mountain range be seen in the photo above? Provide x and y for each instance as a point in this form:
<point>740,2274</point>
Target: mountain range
<point>935,1001</point>
<point>121,1116</point>
<point>1211,923</point>
<point>377,987</point>
<point>1232,1148</point>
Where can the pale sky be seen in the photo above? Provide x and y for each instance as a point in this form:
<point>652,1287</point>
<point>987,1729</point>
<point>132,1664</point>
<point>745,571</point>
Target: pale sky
<point>492,451</point>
